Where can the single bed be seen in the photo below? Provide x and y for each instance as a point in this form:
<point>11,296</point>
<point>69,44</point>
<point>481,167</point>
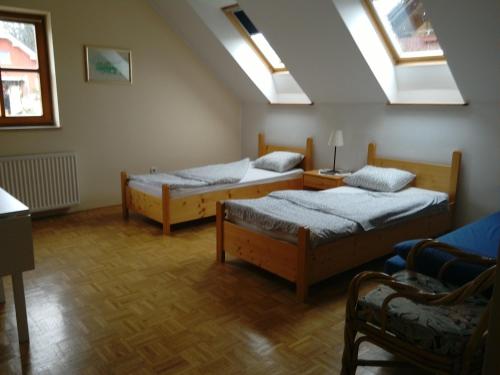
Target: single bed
<point>304,260</point>
<point>168,207</point>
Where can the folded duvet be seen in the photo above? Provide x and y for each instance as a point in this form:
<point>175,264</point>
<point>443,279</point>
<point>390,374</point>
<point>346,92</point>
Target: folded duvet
<point>215,174</point>
<point>333,213</point>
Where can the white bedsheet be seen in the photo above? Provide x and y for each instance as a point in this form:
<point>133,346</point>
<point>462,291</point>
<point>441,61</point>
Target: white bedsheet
<point>253,176</point>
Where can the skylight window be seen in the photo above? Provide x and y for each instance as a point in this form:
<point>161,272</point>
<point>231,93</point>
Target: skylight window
<point>255,38</point>
<point>406,29</point>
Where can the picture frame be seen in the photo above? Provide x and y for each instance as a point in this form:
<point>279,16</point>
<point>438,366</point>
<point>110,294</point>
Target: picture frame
<point>108,65</point>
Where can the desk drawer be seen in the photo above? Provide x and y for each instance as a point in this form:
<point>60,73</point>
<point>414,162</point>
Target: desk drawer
<point>16,248</point>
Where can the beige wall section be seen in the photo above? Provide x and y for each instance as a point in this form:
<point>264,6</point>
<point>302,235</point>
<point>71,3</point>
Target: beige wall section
<point>174,115</point>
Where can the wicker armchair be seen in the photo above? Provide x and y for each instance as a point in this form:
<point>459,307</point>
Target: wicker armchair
<point>420,319</point>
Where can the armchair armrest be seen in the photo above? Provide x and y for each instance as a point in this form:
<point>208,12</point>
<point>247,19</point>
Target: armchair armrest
<point>479,284</point>
<point>458,254</point>
<point>401,290</point>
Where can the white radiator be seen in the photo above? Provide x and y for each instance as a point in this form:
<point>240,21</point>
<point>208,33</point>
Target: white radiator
<point>42,182</point>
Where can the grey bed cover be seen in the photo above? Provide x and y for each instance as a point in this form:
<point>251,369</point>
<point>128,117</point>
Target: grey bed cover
<point>333,213</point>
<point>215,174</point>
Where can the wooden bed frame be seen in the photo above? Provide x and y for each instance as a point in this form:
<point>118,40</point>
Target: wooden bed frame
<point>304,266</point>
<point>168,210</point>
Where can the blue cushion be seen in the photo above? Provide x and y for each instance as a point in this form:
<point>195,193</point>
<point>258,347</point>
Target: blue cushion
<point>481,237</point>
<point>403,248</point>
<point>394,264</point>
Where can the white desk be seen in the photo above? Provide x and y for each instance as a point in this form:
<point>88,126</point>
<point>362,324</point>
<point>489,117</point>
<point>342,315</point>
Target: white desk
<point>16,254</point>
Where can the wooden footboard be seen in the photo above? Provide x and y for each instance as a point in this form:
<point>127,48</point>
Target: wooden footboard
<point>304,265</point>
<point>153,207</point>
<point>278,257</point>
<point>203,205</point>
<point>168,210</point>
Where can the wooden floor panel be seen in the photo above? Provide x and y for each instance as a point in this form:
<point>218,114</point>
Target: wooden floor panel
<point>114,297</point>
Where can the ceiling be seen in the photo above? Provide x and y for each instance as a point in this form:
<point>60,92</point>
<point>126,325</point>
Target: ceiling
<point>316,46</point>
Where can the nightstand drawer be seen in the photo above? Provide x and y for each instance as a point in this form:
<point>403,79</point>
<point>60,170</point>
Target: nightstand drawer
<point>321,182</point>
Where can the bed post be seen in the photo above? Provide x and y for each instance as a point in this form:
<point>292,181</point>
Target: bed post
<point>124,181</point>
<point>262,144</point>
<point>303,263</point>
<point>456,160</point>
<point>455,170</point>
<point>309,163</point>
<point>165,207</point>
<point>220,210</point>
<point>372,152</point>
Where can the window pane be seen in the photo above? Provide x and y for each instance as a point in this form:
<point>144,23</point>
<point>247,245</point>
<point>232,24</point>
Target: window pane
<point>267,51</point>
<point>409,28</point>
<point>21,94</point>
<point>245,22</point>
<point>258,39</point>
<point>18,45</point>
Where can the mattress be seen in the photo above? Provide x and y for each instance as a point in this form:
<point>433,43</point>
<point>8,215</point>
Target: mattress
<point>254,176</point>
<point>281,218</point>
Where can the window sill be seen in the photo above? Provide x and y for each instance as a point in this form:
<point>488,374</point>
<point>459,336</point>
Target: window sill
<point>456,104</point>
<point>30,127</point>
<point>291,103</point>
<point>409,63</point>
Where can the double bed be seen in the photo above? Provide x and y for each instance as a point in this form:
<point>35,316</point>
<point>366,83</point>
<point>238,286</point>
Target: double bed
<point>168,206</point>
<point>306,237</point>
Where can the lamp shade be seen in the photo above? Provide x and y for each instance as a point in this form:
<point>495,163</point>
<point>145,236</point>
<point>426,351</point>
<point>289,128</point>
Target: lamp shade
<point>336,138</point>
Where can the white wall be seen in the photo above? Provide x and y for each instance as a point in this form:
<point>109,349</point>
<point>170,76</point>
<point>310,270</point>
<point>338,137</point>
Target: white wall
<point>426,133</point>
<point>174,115</point>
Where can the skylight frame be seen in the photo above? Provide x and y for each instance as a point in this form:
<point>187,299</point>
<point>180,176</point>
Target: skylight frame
<point>229,12</point>
<point>397,59</point>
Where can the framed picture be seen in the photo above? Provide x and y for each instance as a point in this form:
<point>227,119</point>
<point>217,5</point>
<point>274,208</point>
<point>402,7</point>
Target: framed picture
<point>108,65</point>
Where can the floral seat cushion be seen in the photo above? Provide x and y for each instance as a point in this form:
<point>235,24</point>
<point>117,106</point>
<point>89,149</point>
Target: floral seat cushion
<point>443,330</point>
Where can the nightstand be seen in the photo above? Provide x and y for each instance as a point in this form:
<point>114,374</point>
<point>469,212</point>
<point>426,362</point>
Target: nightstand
<point>315,180</point>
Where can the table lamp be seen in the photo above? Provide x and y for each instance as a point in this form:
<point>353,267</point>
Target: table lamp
<point>336,140</point>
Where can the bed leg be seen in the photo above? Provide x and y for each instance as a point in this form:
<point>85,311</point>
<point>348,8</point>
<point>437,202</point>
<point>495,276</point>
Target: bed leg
<point>303,263</point>
<point>220,210</point>
<point>165,206</point>
<point>124,181</point>
<point>166,229</point>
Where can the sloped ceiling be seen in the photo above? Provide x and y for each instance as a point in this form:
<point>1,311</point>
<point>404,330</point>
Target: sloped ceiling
<point>469,33</point>
<point>185,21</point>
<point>314,43</point>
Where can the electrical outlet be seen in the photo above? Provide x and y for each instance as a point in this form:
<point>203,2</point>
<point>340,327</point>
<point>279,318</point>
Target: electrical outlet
<point>153,170</point>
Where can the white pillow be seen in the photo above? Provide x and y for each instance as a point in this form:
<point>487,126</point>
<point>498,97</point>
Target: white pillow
<point>380,179</point>
<point>278,161</point>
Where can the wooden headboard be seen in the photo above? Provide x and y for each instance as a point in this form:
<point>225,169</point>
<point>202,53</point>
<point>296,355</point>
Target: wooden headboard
<point>438,177</point>
<point>308,162</point>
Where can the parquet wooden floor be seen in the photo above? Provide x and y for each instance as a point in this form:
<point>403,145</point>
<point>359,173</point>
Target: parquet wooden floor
<point>114,297</point>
